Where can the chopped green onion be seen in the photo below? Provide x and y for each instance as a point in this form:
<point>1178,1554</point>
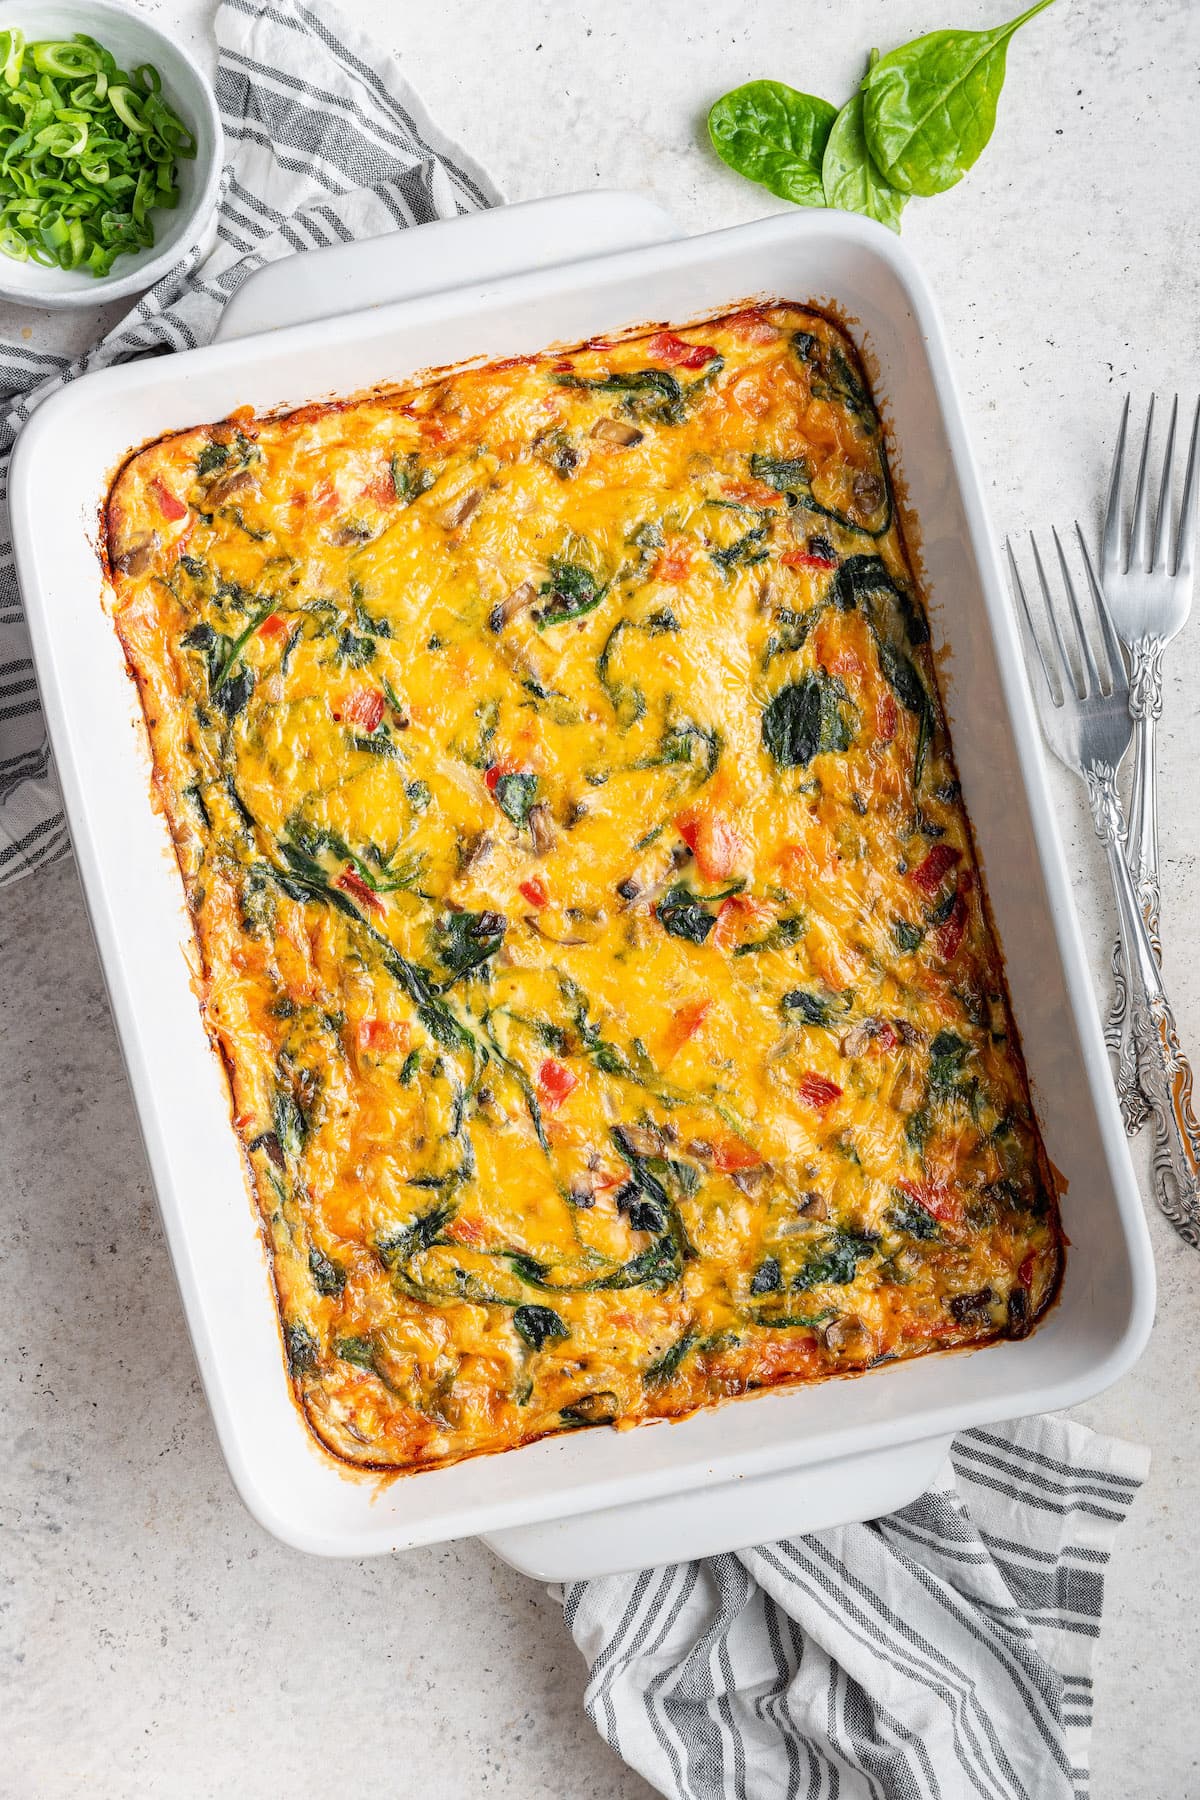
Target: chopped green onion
<point>82,165</point>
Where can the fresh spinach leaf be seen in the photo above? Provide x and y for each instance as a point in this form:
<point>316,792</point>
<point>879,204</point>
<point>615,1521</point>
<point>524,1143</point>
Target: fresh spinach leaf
<point>683,915</point>
<point>857,577</point>
<point>539,1325</point>
<point>465,940</point>
<point>329,1277</point>
<point>303,1352</point>
<point>908,937</point>
<point>659,1373</point>
<point>357,1350</point>
<point>930,106</point>
<point>514,795</point>
<point>784,932</point>
<point>912,1219</point>
<point>775,135</point>
<point>809,716</point>
<point>570,592</point>
<point>767,1278</point>
<point>806,1005</point>
<point>836,1263</point>
<point>911,692</point>
<point>651,395</point>
<point>394,1248</point>
<point>947,1054</point>
<point>749,549</point>
<point>849,174</point>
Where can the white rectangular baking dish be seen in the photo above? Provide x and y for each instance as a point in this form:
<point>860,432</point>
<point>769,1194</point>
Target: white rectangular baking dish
<point>782,1461</point>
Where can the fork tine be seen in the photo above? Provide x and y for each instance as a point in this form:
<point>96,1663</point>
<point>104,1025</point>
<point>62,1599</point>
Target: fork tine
<point>1065,663</point>
<point>1162,518</point>
<point>1110,543</point>
<point>1092,683</point>
<point>1185,536</point>
<point>1108,631</point>
<point>1139,531</point>
<point>1033,647</point>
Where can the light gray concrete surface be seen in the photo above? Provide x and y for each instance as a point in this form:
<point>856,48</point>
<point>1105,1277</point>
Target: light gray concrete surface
<point>153,1641</point>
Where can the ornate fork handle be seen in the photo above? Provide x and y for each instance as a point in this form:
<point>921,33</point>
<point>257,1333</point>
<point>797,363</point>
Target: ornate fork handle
<point>1166,1078</point>
<point>1141,852</point>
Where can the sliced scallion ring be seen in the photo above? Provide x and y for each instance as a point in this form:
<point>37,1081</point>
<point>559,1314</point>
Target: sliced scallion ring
<point>88,151</point>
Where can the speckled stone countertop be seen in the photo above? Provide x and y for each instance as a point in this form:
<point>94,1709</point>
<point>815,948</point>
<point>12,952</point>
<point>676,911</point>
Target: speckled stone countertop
<point>153,1640</point>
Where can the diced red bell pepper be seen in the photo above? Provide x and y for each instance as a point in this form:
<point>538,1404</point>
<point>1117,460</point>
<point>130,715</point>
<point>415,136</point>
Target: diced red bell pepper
<point>674,563</point>
<point>354,885</point>
<point>816,1090</point>
<point>555,1083</point>
<point>365,708</point>
<point>929,875</point>
<point>950,935</point>
<point>322,498</point>
<point>935,1198</point>
<point>1025,1272</point>
<point>731,1155</point>
<point>885,1038</point>
<point>381,491</point>
<point>275,625</point>
<point>713,841</point>
<point>492,775</point>
<point>739,909</point>
<point>169,506</point>
<point>886,718</point>
<point>806,559</point>
<point>382,1035</point>
<point>751,327</point>
<point>684,1025</point>
<point>534,891</point>
<point>664,346</point>
<point>752,493</point>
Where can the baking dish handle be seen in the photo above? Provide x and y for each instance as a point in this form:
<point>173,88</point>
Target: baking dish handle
<point>757,1510</point>
<point>447,253</point>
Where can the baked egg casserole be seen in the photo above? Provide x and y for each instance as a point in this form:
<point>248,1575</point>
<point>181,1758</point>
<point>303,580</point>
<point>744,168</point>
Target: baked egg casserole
<point>586,910</point>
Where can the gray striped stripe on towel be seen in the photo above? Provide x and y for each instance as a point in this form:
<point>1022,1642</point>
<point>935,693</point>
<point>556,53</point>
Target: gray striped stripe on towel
<point>941,1653</point>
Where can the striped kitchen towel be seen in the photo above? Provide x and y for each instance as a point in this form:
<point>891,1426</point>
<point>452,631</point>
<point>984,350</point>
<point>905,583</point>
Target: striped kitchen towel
<point>325,142</point>
<point>940,1653</point>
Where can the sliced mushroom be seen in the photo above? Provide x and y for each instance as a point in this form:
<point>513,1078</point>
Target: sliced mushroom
<point>577,810</point>
<point>615,431</point>
<point>856,1041</point>
<point>848,1336</point>
<point>543,931</point>
<point>225,486</point>
<point>812,1205</point>
<point>868,489</point>
<point>460,509</point>
<point>909,1034</point>
<point>908,1090</point>
<point>593,1409</point>
<point>519,601</point>
<point>137,559</point>
<point>541,828</point>
<point>582,1192</point>
<point>643,1140</point>
<point>477,851</point>
<point>750,1180</point>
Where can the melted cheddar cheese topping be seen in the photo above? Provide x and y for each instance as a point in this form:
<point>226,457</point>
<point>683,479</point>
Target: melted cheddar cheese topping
<point>587,912</point>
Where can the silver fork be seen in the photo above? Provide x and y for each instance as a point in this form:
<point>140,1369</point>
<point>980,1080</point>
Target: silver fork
<point>1148,586</point>
<point>1084,709</point>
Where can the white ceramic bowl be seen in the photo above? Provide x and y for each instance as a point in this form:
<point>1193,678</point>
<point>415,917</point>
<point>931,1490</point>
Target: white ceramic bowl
<point>132,39</point>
